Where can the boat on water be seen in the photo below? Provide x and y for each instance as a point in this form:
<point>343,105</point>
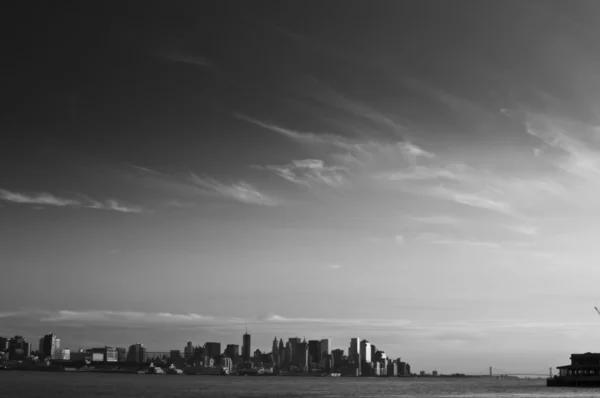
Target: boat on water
<point>584,371</point>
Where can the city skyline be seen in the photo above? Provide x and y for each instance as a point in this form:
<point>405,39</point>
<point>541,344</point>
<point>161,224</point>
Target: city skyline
<point>425,173</point>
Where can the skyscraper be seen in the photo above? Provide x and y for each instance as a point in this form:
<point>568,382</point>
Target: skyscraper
<point>213,350</point>
<point>325,346</point>
<point>281,352</point>
<point>232,351</point>
<point>365,351</point>
<point>294,341</point>
<point>354,349</point>
<point>49,346</point>
<point>314,352</point>
<point>137,353</point>
<point>188,351</point>
<point>275,352</point>
<point>247,347</point>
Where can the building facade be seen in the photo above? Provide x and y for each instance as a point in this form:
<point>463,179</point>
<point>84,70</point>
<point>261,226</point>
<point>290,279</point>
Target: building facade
<point>49,346</point>
<point>246,347</point>
<point>213,349</point>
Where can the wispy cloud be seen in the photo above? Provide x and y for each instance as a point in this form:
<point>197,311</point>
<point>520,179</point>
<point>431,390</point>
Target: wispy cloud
<point>239,191</point>
<point>474,200</point>
<point>309,171</point>
<point>436,219</point>
<point>334,266</point>
<point>36,199</point>
<point>275,318</point>
<point>439,239</point>
<point>122,317</point>
<point>189,59</point>
<point>524,229</point>
<point>47,199</point>
<point>419,173</point>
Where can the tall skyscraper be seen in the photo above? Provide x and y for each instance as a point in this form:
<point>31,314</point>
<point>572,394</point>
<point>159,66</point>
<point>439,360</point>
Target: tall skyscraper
<point>247,347</point>
<point>325,346</point>
<point>188,350</point>
<point>232,351</point>
<point>314,352</point>
<point>281,352</point>
<point>354,349</point>
<point>213,350</point>
<point>18,348</point>
<point>50,346</point>
<point>294,341</point>
<point>365,351</point>
<point>275,352</point>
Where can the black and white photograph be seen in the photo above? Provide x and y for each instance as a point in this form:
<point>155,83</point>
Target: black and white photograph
<point>307,198</point>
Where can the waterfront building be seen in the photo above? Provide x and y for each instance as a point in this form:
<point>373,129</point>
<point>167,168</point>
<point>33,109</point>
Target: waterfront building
<point>373,352</point>
<point>233,351</point>
<point>49,346</point>
<point>246,347</point>
<point>18,348</point>
<point>326,346</point>
<point>365,351</point>
<point>3,344</point>
<point>275,352</point>
<point>294,341</point>
<point>188,350</point>
<point>354,349</point>
<point>213,349</point>
<point>434,373</point>
<point>121,354</point>
<point>314,352</point>
<point>392,369</point>
<point>287,358</point>
<point>137,353</point>
<point>64,354</point>
<point>338,355</point>
<point>281,352</point>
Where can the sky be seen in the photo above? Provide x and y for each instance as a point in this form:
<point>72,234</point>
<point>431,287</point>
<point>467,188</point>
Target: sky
<point>422,174</point>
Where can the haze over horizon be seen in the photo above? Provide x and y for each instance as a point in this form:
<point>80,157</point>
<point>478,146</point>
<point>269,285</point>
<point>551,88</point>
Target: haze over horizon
<point>422,174</point>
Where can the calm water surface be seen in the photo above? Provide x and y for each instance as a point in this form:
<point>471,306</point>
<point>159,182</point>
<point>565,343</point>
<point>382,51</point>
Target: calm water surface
<point>41,384</point>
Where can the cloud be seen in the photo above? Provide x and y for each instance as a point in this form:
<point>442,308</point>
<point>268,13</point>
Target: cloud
<point>309,171</point>
<point>524,229</point>
<point>473,200</point>
<point>437,219</point>
<point>239,191</point>
<point>334,266</point>
<point>439,239</point>
<point>37,199</point>
<point>189,59</point>
<point>46,199</point>
<point>419,173</point>
<point>123,317</point>
<point>399,239</point>
<point>356,148</point>
<point>275,318</point>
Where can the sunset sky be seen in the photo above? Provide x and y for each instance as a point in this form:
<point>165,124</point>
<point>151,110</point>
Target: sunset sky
<point>422,174</point>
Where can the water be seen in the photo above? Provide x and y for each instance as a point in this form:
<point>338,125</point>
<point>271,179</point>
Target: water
<point>70,385</point>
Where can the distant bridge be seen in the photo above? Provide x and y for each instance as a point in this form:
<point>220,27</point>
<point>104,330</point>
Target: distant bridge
<point>496,372</point>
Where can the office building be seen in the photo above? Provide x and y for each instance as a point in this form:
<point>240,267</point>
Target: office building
<point>365,351</point>
<point>326,346</point>
<point>314,352</point>
<point>188,350</point>
<point>174,354</point>
<point>18,348</point>
<point>213,350</point>
<point>121,354</point>
<point>3,344</point>
<point>232,351</point>
<point>275,352</point>
<point>49,346</point>
<point>137,353</point>
<point>246,347</point>
<point>281,352</point>
<point>354,349</point>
